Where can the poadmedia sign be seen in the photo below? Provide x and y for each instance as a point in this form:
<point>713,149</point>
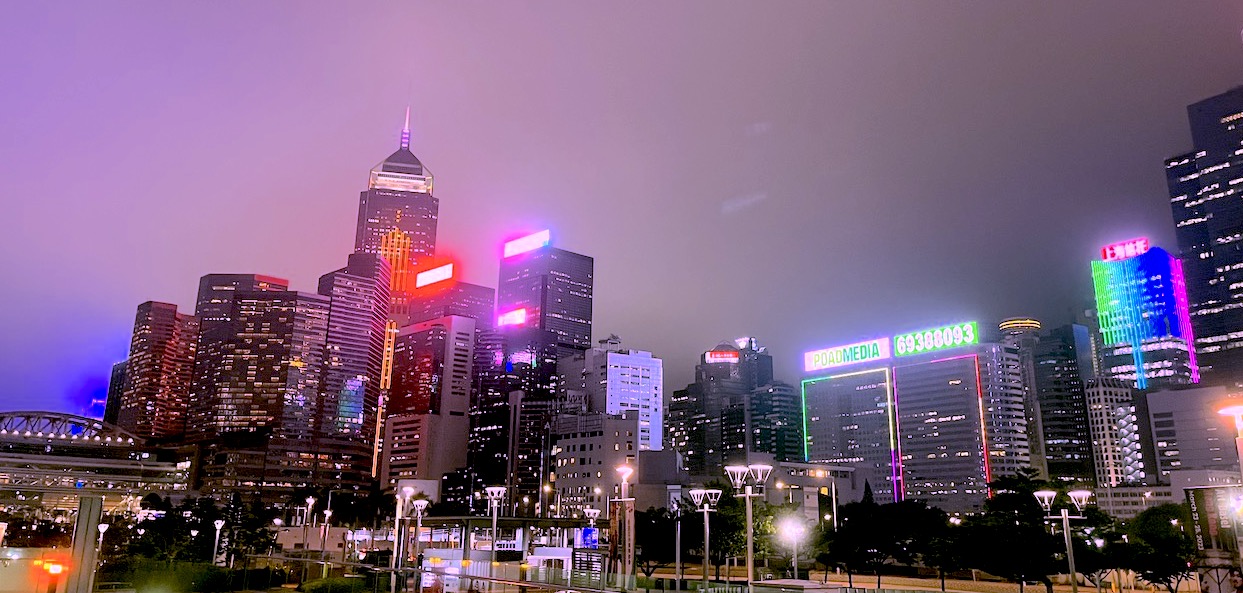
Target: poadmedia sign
<point>836,356</point>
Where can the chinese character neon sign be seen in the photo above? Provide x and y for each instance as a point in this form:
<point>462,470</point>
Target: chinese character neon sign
<point>528,243</point>
<point>1125,249</point>
<point>950,336</point>
<point>843,355</point>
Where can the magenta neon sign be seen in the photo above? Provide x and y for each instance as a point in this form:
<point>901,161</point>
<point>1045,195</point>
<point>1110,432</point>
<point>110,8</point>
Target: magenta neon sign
<point>515,317</point>
<point>528,243</point>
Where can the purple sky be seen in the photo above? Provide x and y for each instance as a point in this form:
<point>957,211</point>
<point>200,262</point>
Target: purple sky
<point>808,173</point>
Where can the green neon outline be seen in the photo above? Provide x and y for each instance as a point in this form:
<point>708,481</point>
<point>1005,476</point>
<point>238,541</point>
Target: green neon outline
<point>888,400</point>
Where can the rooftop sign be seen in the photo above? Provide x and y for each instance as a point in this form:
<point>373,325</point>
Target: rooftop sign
<point>1125,249</point>
<point>515,317</point>
<point>941,338</point>
<point>528,243</point>
<point>715,356</point>
<point>433,275</point>
<point>843,355</point>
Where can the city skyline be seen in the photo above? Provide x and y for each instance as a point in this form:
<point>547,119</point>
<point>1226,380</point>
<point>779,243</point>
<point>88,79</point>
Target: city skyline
<point>739,219</point>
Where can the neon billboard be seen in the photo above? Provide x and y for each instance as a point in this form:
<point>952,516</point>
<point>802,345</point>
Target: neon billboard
<point>941,338</point>
<point>715,356</point>
<point>1125,249</point>
<point>433,276</point>
<point>836,356</point>
<point>528,243</point>
<point>515,317</point>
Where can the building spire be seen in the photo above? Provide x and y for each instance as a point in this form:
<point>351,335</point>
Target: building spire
<point>405,131</point>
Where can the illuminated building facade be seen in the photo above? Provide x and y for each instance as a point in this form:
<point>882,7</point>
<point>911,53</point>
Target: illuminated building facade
<point>427,428</point>
<point>547,288</point>
<point>1024,333</point>
<point>349,404</point>
<point>1141,302</point>
<point>1205,185</point>
<point>1106,399</point>
<point>116,386</point>
<point>256,404</point>
<point>214,304</point>
<point>158,373</point>
<point>931,415</point>
<point>397,220</point>
<point>614,380</point>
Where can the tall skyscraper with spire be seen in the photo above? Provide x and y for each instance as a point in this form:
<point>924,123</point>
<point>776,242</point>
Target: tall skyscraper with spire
<point>397,216</point>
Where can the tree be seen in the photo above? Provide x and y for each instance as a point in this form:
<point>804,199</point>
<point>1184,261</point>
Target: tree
<point>653,532</point>
<point>1158,549</point>
<point>1098,546</point>
<point>858,543</point>
<point>1009,540</point>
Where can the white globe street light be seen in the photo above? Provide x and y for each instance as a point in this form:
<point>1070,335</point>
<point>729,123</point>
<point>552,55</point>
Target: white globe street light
<point>792,531</point>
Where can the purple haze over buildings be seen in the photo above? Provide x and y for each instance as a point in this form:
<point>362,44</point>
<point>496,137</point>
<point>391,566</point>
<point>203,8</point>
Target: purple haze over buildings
<point>808,173</point>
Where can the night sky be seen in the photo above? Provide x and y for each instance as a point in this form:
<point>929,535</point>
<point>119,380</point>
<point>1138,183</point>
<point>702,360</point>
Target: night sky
<point>807,173</point>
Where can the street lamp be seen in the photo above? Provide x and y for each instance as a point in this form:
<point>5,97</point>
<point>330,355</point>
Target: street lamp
<point>748,481</point>
<point>1079,498</point>
<point>420,506</point>
<point>102,528</point>
<point>219,523</point>
<point>495,495</point>
<point>403,496</point>
<point>792,531</point>
<point>306,524</point>
<point>704,499</point>
<point>323,541</point>
<point>592,514</point>
<point>675,507</point>
<point>625,522</point>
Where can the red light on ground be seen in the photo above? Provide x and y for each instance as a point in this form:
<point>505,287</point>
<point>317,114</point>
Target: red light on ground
<point>54,568</point>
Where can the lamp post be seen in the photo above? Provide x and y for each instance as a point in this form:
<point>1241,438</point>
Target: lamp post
<point>403,496</point>
<point>219,523</point>
<point>675,506</point>
<point>323,541</point>
<point>793,530</point>
<point>495,495</point>
<point>625,528</point>
<point>704,499</point>
<point>748,481</point>
<point>306,525</point>
<point>420,506</point>
<point>1079,498</point>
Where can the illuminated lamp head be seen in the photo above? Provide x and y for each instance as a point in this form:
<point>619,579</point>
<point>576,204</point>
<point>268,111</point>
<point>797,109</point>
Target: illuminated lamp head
<point>1236,412</point>
<point>528,243</point>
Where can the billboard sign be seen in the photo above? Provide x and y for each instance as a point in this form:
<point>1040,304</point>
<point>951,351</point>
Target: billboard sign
<point>433,276</point>
<point>1125,249</point>
<point>837,356</point>
<point>941,338</point>
<point>528,243</point>
<point>715,356</point>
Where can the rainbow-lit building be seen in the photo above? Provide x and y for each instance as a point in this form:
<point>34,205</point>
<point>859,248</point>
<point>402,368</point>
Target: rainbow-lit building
<point>1145,325</point>
<point>931,415</point>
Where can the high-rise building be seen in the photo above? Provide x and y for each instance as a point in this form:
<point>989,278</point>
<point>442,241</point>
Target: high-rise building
<point>614,380</point>
<point>1105,398</point>
<point>1189,433</point>
<point>397,219</point>
<point>711,422</point>
<point>1059,356</point>
<point>214,304</point>
<point>256,403</point>
<point>158,372</point>
<point>1141,303</point>
<point>547,288</point>
<point>776,422</point>
<point>931,415</point>
<point>116,387</point>
<point>349,404</point>
<point>1024,333</point>
<point>1204,189</point>
<point>427,426</point>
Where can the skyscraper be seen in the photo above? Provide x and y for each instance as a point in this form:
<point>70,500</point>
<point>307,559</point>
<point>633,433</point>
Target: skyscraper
<point>214,304</point>
<point>1059,356</point>
<point>1024,333</point>
<point>427,427</point>
<point>1141,303</point>
<point>1105,399</point>
<point>397,218</point>
<point>116,387</point>
<point>1204,189</point>
<point>158,372</point>
<point>256,403</point>
<point>547,288</point>
<point>708,422</point>
<point>348,415</point>
<point>614,380</point>
<point>931,415</point>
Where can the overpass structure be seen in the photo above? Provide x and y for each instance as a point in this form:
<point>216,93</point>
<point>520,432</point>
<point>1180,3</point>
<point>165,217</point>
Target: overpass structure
<point>51,460</point>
